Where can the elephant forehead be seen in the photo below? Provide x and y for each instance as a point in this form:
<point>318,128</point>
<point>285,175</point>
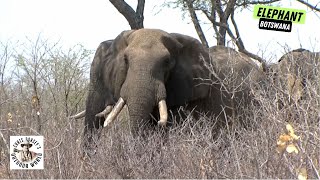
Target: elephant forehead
<point>147,38</point>
<point>141,52</point>
<point>156,33</point>
<point>149,43</point>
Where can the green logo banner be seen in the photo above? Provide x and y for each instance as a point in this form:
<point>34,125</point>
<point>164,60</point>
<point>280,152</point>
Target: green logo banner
<point>277,13</point>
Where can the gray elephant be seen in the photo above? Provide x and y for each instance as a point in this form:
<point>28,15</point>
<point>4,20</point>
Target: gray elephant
<point>150,71</point>
<point>239,76</point>
<point>294,70</point>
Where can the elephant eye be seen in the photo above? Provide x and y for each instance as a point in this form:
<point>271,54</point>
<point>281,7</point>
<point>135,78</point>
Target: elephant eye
<point>168,63</point>
<point>126,59</point>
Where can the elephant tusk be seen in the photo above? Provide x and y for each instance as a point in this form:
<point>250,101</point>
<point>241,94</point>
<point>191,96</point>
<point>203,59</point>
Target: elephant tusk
<point>115,111</point>
<point>79,115</point>
<point>105,112</point>
<point>163,110</point>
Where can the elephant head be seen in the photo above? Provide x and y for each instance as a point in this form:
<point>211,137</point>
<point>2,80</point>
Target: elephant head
<point>149,70</point>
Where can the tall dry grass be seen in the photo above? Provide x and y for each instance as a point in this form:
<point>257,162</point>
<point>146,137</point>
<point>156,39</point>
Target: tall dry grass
<point>193,148</point>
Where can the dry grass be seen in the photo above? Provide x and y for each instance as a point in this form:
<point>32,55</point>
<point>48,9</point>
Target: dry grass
<point>192,149</point>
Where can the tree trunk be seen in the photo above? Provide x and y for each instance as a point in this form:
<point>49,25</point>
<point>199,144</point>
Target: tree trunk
<point>134,18</point>
<point>221,36</point>
<point>196,23</point>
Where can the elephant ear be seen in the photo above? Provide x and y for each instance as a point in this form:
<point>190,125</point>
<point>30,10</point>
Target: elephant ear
<point>121,42</point>
<point>117,64</point>
<point>185,82</point>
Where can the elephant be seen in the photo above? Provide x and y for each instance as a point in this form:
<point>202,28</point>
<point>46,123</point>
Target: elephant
<point>152,72</point>
<point>240,76</point>
<point>294,70</point>
<point>149,70</point>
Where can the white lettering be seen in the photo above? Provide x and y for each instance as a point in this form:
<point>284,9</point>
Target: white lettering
<point>275,25</point>
<point>288,27</point>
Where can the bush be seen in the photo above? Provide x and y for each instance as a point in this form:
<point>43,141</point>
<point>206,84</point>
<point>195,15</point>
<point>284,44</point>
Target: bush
<point>261,146</point>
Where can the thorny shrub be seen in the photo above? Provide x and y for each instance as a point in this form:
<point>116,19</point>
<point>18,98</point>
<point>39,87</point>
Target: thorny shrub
<point>194,148</point>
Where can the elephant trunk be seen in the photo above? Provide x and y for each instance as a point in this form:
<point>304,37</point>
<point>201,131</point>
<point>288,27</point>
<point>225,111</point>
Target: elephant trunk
<point>140,105</point>
<point>142,96</point>
<point>110,115</point>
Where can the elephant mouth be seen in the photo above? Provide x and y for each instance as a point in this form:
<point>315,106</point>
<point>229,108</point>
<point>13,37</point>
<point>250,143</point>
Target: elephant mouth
<point>110,117</point>
<point>110,113</point>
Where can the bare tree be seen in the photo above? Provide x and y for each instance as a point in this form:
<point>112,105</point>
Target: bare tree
<point>63,76</point>
<point>5,57</point>
<point>47,83</point>
<point>219,12</point>
<point>134,18</point>
<point>32,60</point>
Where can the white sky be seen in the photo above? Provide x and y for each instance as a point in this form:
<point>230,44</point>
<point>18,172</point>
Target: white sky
<point>90,22</point>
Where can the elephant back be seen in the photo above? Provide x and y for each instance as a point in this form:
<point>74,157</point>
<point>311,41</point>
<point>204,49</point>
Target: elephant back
<point>239,75</point>
<point>232,64</point>
<point>301,63</point>
<point>295,70</point>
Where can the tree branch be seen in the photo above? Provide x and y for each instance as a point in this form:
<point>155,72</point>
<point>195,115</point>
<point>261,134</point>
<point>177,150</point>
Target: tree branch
<point>245,3</point>
<point>230,8</point>
<point>218,7</point>
<point>240,43</point>
<point>238,38</point>
<point>196,24</point>
<point>135,19</point>
<point>212,19</point>
<point>139,12</point>
<point>309,5</point>
<point>140,7</point>
<point>246,51</point>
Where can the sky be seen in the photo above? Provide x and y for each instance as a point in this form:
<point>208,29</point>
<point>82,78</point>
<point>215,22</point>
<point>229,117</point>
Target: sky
<point>89,22</point>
